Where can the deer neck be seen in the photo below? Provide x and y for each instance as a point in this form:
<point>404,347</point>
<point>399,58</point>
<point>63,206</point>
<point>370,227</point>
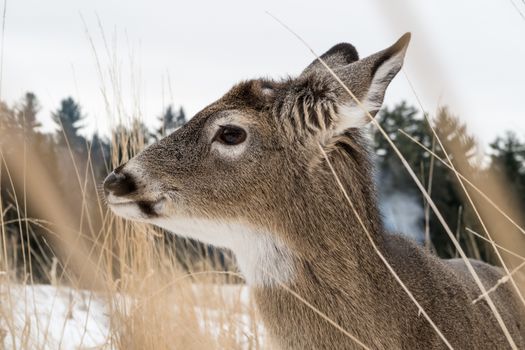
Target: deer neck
<point>329,240</point>
<point>343,278</point>
<point>331,264</point>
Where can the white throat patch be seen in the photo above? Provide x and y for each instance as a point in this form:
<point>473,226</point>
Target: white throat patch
<point>261,257</point>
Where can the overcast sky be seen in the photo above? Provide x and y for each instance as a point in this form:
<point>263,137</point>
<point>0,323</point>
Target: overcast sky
<point>467,54</point>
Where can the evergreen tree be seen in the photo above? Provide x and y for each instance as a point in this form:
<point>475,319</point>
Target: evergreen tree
<point>27,112</point>
<point>171,120</point>
<point>141,136</point>
<point>508,159</point>
<point>7,120</point>
<point>68,119</point>
<point>445,192</point>
<point>461,146</point>
<point>406,118</point>
<point>19,138</point>
<point>130,140</point>
<point>181,118</point>
<point>463,151</point>
<point>100,156</point>
<point>167,120</point>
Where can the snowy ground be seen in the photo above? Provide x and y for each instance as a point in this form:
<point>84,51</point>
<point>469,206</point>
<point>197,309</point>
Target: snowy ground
<point>47,317</point>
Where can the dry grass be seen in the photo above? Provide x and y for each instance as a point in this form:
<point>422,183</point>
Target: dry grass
<point>155,298</point>
<point>153,301</point>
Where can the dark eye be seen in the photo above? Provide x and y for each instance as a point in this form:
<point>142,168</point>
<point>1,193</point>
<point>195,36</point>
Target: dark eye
<point>230,135</point>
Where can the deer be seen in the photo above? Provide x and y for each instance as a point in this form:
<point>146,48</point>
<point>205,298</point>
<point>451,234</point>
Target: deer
<point>249,173</point>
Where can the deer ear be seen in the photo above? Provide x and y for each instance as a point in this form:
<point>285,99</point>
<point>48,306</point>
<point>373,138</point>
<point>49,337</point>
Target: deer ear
<point>367,79</point>
<point>339,55</point>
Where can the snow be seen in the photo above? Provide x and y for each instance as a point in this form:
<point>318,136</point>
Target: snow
<point>48,317</point>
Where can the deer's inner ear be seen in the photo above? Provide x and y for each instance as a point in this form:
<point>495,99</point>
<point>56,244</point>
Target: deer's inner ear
<point>375,72</point>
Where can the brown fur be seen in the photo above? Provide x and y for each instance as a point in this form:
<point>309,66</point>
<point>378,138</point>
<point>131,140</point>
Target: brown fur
<point>281,184</point>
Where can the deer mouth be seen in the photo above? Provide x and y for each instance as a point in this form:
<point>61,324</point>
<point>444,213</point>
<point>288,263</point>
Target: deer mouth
<point>137,209</point>
<point>113,200</point>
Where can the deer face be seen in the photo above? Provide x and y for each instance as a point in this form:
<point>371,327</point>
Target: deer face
<point>236,164</point>
<point>210,168</point>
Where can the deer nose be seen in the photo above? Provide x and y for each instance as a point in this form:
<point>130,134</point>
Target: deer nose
<point>118,184</point>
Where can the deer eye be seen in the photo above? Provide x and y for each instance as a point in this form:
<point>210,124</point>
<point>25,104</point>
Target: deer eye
<point>230,135</point>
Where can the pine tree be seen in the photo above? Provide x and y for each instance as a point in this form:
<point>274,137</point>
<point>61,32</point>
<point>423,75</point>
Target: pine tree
<point>406,118</point>
<point>170,120</point>
<point>68,118</point>
<point>7,118</point>
<point>394,180</point>
<point>167,120</point>
<point>462,149</point>
<point>19,138</point>
<point>100,156</point>
<point>508,159</point>
<point>461,146</point>
<point>27,112</point>
<point>140,134</point>
<point>181,118</point>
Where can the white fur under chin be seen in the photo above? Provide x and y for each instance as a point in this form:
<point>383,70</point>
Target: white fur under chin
<point>262,259</point>
<point>128,210</point>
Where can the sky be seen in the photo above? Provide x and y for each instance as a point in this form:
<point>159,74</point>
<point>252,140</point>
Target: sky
<point>133,58</point>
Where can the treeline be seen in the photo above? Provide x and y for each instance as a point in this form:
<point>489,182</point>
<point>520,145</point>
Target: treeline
<point>70,158</point>
<point>76,165</point>
<point>504,161</point>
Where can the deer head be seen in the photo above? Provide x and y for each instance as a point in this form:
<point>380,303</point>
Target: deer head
<point>247,172</point>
